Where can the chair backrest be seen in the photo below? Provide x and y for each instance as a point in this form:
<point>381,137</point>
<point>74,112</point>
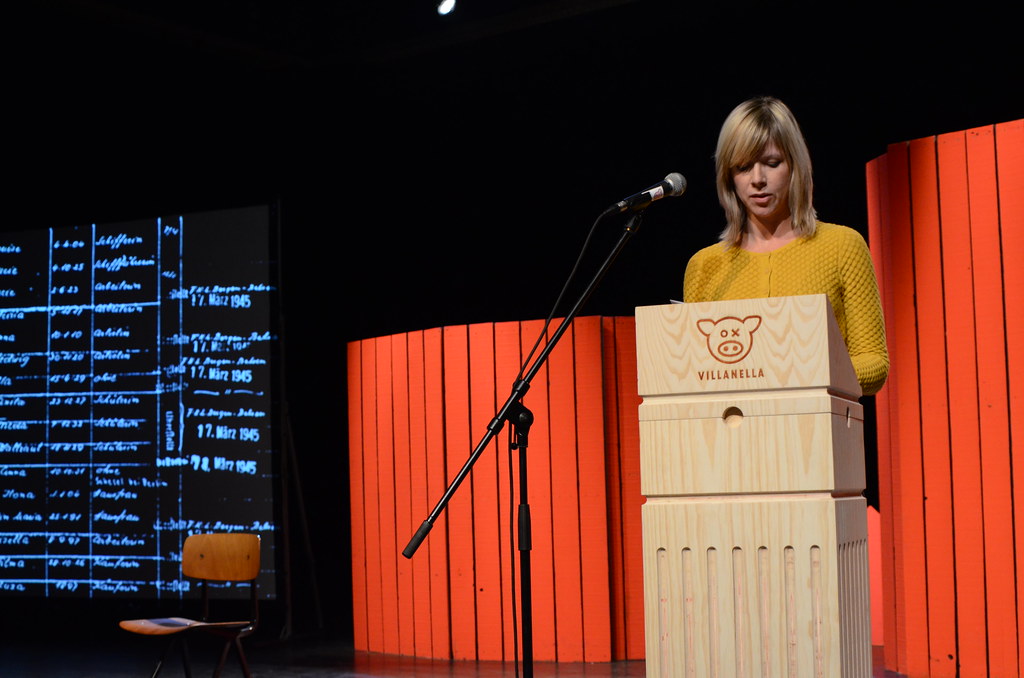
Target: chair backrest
<point>233,556</point>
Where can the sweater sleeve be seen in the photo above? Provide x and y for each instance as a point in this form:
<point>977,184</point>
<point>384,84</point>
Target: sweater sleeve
<point>865,322</point>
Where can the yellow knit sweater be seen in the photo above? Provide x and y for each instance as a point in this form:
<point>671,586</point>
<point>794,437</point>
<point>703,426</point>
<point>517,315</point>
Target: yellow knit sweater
<point>834,261</point>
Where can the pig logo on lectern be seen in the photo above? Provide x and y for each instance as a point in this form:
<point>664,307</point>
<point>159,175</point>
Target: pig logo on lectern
<point>729,338</point>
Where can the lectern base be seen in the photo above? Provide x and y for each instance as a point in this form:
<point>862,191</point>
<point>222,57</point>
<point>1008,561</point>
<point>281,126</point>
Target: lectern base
<point>758,585</point>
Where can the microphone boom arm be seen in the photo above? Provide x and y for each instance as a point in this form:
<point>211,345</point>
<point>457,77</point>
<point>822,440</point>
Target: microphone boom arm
<point>521,386</point>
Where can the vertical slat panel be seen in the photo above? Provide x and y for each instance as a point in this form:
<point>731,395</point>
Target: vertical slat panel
<point>386,496</point>
<point>565,525</point>
<point>357,502</point>
<point>958,288</point>
<point>904,396</point>
<point>981,226</point>
<point>419,499</point>
<point>996,489</point>
<point>374,603</point>
<point>487,548</point>
<point>879,238</point>
<point>437,483</point>
<point>459,445</point>
<point>934,413</point>
<point>610,388</point>
<point>539,496</point>
<point>632,497</point>
<point>406,622</point>
<point>411,398</point>
<point>507,360</point>
<point>1010,177</point>
<point>593,504</point>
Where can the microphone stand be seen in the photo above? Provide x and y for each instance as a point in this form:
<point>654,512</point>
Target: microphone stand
<point>513,410</point>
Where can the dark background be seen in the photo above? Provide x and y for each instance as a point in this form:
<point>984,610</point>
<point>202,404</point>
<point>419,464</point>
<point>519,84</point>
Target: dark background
<point>446,170</point>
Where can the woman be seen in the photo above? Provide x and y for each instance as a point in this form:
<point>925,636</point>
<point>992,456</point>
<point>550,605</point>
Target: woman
<point>773,245</point>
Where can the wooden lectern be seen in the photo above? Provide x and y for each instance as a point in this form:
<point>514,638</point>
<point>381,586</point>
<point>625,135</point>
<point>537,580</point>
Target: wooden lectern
<point>752,465</point>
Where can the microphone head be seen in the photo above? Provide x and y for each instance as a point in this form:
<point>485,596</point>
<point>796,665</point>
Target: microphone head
<point>677,184</point>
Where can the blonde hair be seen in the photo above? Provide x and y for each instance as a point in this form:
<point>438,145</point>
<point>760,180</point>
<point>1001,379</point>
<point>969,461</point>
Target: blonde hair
<point>747,130</point>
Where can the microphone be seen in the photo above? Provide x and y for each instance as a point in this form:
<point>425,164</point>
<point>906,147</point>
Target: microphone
<point>673,185</point>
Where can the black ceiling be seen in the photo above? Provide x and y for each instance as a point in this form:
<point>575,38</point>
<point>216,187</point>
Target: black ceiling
<point>271,34</point>
<point>499,131</point>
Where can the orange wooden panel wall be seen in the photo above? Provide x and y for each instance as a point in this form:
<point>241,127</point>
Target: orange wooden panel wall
<point>946,216</point>
<point>419,403</point>
<point>357,500</point>
<point>622,444</point>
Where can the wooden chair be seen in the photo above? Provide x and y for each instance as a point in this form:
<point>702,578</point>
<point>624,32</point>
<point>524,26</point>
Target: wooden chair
<point>220,557</point>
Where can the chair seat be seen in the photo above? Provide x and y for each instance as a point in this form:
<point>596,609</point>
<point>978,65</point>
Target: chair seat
<point>163,626</point>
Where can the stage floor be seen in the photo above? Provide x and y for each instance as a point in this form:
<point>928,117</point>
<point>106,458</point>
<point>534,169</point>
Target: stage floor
<point>59,656</point>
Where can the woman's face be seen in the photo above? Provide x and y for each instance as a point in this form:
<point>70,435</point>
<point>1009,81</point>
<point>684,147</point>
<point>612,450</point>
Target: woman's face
<point>763,186</point>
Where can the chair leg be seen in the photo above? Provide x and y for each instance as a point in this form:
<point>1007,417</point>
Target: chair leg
<point>241,658</point>
<point>186,661</point>
<point>183,646</point>
<point>160,662</point>
<point>223,656</point>
<point>237,643</point>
